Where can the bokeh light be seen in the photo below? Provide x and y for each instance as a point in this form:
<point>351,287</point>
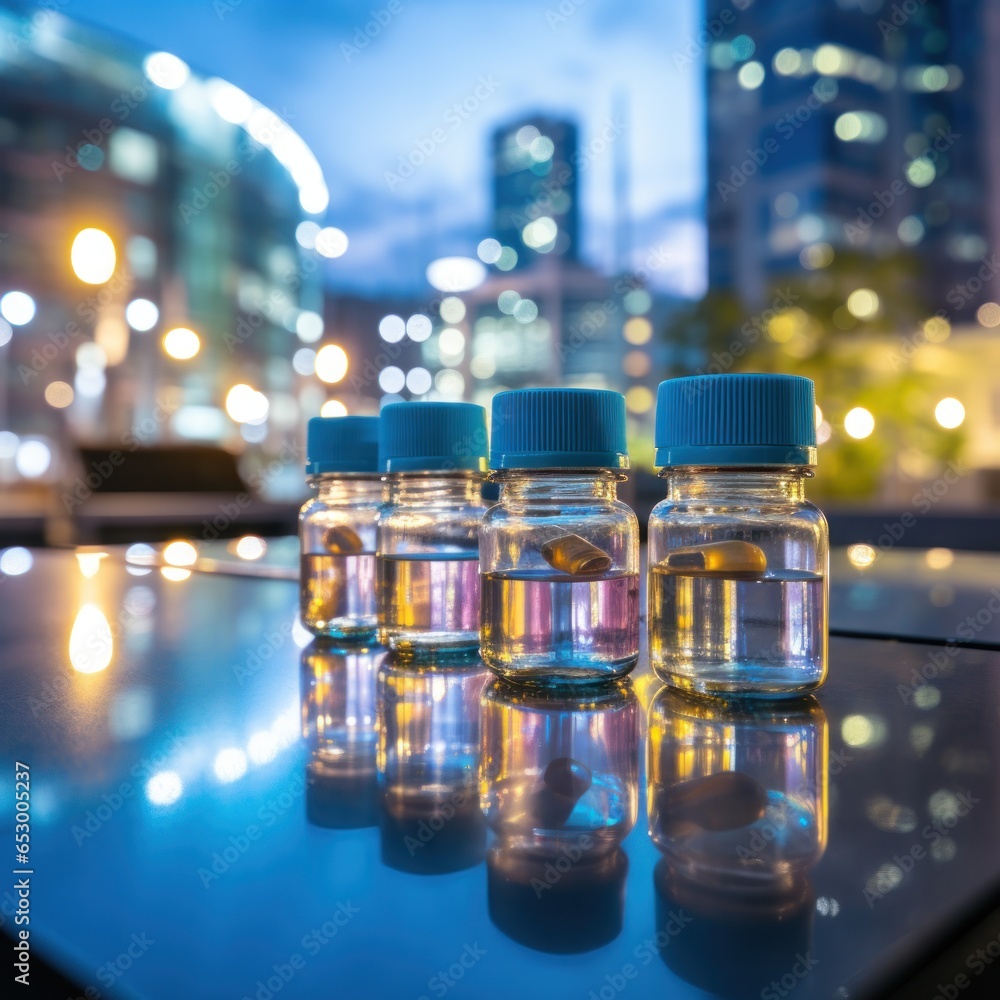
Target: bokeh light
<point>246,405</point>
<point>455,274</point>
<point>859,423</point>
<point>33,458</point>
<point>18,308</point>
<point>939,558</point>
<point>15,561</point>
<point>164,788</point>
<point>949,413</point>
<point>59,394</point>
<point>392,328</point>
<point>331,242</point>
<point>166,70</point>
<point>333,408</point>
<point>230,765</point>
<point>863,303</point>
<point>988,314</point>
<point>861,556</point>
<point>142,315</point>
<point>251,547</point>
<point>180,553</point>
<point>452,309</point>
<point>181,343</point>
<point>637,330</point>
<point>93,256</point>
<point>331,363</point>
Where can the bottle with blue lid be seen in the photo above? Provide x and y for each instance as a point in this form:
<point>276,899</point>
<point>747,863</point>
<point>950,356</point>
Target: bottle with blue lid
<point>738,558</point>
<point>559,552</point>
<point>433,457</point>
<point>337,527</point>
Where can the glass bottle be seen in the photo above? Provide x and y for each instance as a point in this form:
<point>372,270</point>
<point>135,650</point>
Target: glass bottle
<point>340,729</point>
<point>737,803</point>
<point>337,528</point>
<point>559,552</point>
<point>559,788</point>
<point>434,458</point>
<point>738,558</point>
<point>429,748</point>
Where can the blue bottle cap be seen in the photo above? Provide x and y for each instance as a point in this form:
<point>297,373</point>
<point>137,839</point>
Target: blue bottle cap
<point>432,437</point>
<point>724,420</point>
<point>341,444</point>
<point>559,429</point>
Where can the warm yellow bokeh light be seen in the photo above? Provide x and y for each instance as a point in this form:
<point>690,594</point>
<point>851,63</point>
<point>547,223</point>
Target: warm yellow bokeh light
<point>862,303</point>
<point>112,336</point>
<point>861,556</point>
<point>819,415</point>
<point>333,408</point>
<point>251,547</point>
<point>246,405</point>
<point>988,314</point>
<point>181,343</point>
<point>859,423</point>
<point>937,329</point>
<point>331,363</point>
<point>638,330</point>
<point>939,558</point>
<point>949,413</point>
<point>90,562</point>
<point>786,324</point>
<point>91,644</point>
<point>93,256</point>
<point>639,399</point>
<point>59,394</point>
<point>174,573</point>
<point>180,554</point>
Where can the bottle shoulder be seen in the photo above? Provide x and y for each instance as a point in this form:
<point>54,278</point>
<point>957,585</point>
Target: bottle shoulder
<point>738,505</point>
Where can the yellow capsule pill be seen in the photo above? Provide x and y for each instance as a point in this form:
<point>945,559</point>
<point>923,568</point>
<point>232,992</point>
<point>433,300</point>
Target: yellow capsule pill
<point>340,540</point>
<point>733,558</point>
<point>576,556</point>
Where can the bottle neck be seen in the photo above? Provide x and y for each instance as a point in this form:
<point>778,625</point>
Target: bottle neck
<point>421,488</point>
<point>352,487</point>
<point>558,485</point>
<point>737,484</point>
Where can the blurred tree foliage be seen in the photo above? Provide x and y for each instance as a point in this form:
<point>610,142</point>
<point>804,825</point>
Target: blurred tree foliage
<point>858,348</point>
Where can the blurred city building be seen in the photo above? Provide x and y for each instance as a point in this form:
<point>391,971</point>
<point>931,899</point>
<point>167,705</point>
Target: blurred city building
<point>529,311</point>
<point>535,177</point>
<point>853,211</point>
<point>855,126</point>
<point>161,254</point>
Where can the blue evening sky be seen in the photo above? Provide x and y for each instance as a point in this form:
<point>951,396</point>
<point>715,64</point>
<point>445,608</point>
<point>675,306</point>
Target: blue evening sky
<point>362,109</point>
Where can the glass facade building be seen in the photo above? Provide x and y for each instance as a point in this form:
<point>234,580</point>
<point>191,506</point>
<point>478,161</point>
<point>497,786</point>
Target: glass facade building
<point>155,252</point>
<point>845,128</point>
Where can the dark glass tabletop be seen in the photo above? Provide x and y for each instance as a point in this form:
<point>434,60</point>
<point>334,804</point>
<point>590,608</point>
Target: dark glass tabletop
<point>221,808</point>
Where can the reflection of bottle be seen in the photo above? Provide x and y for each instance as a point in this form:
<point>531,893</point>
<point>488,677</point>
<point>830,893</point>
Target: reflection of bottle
<point>428,765</point>
<point>339,725</point>
<point>560,791</point>
<point>737,803</point>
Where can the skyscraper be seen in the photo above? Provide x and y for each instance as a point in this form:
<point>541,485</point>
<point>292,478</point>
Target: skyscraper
<point>535,191</point>
<point>855,127</point>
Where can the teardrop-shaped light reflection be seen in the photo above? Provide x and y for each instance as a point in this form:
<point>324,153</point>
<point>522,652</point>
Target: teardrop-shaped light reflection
<point>90,642</point>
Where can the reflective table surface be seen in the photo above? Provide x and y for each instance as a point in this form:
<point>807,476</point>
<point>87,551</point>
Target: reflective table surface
<point>220,807</point>
<point>929,594</point>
